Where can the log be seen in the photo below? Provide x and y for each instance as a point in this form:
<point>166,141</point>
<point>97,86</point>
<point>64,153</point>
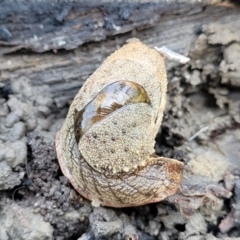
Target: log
<point>42,26</point>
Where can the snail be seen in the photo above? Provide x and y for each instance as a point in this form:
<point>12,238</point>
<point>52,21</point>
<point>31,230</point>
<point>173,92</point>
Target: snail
<point>106,144</point>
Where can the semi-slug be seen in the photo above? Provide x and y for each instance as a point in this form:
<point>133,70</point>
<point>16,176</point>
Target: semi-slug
<point>106,144</point>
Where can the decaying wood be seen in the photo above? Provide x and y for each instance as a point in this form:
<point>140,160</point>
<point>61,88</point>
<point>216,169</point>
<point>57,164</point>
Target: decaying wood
<point>65,71</point>
<point>50,26</point>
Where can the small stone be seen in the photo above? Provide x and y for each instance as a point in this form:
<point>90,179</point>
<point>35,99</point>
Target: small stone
<point>17,131</point>
<point>154,228</point>
<point>4,108</point>
<point>23,87</point>
<point>13,103</point>
<point>25,224</point>
<point>105,222</point>
<point>6,153</point>
<point>43,111</point>
<point>19,112</point>
<point>44,101</point>
<point>20,149</point>
<point>11,119</point>
<point>196,225</point>
<point>43,124</point>
<point>172,218</point>
<point>72,216</point>
<point>31,124</point>
<point>8,178</point>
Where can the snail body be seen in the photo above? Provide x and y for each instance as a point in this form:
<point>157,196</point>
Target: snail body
<point>106,144</point>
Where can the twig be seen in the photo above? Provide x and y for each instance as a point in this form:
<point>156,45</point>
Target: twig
<point>198,133</point>
<point>171,55</point>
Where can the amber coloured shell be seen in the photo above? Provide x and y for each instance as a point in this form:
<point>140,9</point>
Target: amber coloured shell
<point>111,98</point>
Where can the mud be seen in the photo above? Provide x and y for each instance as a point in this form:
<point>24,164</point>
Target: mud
<point>201,127</point>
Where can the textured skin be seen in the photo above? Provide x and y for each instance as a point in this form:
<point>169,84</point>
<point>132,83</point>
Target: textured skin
<point>113,164</point>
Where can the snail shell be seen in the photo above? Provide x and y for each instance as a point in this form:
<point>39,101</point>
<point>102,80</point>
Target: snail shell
<point>106,145</point>
<point>111,98</point>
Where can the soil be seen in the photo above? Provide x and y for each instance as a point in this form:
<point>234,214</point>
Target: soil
<point>201,128</point>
